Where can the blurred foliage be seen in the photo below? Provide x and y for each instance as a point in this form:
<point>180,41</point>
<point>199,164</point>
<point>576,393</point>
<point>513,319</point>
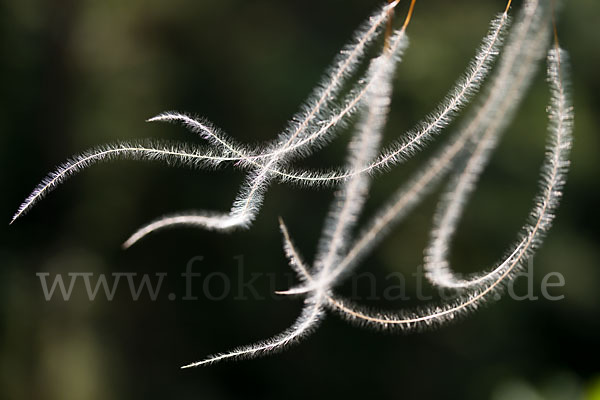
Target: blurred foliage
<point>76,74</point>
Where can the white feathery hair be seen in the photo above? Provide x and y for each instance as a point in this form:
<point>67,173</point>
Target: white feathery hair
<point>318,122</point>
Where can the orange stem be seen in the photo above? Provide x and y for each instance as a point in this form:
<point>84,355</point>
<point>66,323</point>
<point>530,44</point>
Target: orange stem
<point>409,15</point>
<point>390,23</point>
<point>554,25</point>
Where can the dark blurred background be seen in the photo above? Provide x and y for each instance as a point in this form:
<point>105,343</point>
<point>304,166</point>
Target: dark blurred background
<point>77,74</point>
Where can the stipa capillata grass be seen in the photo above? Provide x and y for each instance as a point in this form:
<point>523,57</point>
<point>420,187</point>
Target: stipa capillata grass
<point>505,62</point>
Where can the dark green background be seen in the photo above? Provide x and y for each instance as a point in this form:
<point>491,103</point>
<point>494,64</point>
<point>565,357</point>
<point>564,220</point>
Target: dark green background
<point>76,74</point>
